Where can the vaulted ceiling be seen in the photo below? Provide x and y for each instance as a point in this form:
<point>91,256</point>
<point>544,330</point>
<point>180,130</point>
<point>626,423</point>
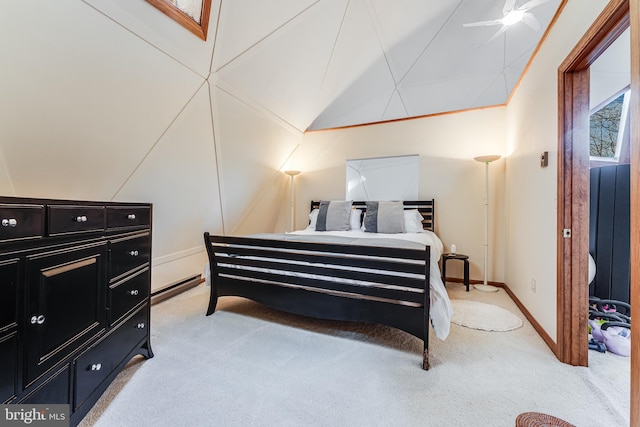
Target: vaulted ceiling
<point>323,64</point>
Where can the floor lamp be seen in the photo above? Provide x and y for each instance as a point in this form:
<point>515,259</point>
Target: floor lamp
<point>292,174</point>
<point>486,160</point>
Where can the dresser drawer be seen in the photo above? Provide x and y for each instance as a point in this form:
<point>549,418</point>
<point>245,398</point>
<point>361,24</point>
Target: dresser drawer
<point>75,219</point>
<point>54,391</point>
<point>94,365</point>
<point>21,221</point>
<point>125,295</point>
<point>125,217</point>
<point>129,253</point>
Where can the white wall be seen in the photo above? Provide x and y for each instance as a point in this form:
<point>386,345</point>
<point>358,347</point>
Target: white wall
<point>447,145</point>
<point>531,193</point>
<point>115,101</point>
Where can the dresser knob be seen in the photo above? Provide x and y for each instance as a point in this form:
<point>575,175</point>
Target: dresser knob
<point>81,218</point>
<point>37,320</point>
<point>131,216</point>
<point>140,326</point>
<point>133,253</point>
<point>11,222</point>
<point>96,366</point>
<point>133,292</point>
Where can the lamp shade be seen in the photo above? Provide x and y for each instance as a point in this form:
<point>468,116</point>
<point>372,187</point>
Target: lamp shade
<point>487,159</point>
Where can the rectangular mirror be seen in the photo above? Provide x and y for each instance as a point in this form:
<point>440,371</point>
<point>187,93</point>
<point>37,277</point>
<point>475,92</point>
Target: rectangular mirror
<point>383,178</point>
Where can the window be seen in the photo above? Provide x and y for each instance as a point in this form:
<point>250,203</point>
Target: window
<point>191,14</point>
<point>607,128</point>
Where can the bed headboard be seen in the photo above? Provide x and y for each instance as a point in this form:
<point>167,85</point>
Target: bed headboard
<point>425,207</point>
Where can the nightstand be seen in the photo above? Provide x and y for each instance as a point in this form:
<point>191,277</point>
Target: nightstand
<point>463,258</point>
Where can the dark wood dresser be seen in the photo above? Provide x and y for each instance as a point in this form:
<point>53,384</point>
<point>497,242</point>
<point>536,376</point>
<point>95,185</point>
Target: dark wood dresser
<point>75,282</point>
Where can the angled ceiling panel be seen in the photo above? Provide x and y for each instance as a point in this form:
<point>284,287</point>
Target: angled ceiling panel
<point>99,95</point>
<point>450,95</point>
<point>407,27</point>
<point>183,171</point>
<point>396,108</point>
<point>357,69</point>
<point>251,149</point>
<point>284,71</point>
<point>246,22</point>
<point>160,31</point>
<point>344,111</point>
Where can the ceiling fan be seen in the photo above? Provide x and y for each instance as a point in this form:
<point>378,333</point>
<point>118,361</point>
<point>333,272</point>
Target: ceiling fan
<point>512,15</point>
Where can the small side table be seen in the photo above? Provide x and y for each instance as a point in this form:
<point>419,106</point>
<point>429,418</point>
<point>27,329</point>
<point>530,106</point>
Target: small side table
<point>463,258</point>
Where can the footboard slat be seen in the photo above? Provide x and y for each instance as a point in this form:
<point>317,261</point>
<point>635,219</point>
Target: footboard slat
<point>373,284</point>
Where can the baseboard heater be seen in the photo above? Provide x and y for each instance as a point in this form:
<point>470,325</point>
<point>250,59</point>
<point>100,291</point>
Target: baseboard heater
<point>175,288</point>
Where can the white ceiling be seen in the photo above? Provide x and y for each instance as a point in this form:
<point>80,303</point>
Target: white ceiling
<point>325,64</point>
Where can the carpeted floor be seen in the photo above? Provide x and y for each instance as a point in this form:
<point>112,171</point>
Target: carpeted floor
<point>248,365</point>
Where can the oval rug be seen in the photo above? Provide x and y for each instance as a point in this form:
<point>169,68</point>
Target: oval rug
<point>486,317</point>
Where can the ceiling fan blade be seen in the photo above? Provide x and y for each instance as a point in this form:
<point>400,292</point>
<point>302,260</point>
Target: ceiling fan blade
<point>531,4</point>
<point>483,23</point>
<point>531,21</point>
<point>497,34</point>
<point>508,6</point>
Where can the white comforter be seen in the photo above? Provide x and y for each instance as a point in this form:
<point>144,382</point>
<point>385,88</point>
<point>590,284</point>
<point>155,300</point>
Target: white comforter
<point>440,309</point>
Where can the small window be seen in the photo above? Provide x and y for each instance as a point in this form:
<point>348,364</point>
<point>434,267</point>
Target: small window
<point>607,124</point>
<point>191,14</point>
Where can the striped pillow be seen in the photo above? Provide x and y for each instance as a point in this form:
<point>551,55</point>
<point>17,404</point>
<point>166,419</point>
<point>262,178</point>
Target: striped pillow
<point>384,217</point>
<point>334,215</point>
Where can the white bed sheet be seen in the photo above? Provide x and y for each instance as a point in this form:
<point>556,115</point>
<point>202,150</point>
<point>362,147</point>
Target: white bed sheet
<point>440,309</point>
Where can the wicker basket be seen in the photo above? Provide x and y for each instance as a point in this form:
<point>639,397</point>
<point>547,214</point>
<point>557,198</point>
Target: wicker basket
<point>536,419</point>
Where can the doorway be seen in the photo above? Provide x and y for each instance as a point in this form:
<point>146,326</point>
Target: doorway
<point>573,186</point>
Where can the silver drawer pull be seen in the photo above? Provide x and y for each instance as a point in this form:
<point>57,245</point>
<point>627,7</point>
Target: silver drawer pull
<point>37,319</point>
<point>133,253</point>
<point>96,366</point>
<point>140,326</point>
<point>131,216</point>
<point>11,222</point>
<point>81,218</point>
<point>133,292</point>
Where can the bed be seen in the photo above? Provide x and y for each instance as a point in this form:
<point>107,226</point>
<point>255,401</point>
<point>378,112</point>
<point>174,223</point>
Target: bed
<point>353,274</point>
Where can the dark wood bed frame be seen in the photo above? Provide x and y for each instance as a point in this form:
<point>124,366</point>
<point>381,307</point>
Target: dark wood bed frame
<point>239,267</point>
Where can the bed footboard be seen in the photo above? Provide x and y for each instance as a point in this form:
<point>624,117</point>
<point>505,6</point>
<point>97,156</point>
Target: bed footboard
<point>374,284</point>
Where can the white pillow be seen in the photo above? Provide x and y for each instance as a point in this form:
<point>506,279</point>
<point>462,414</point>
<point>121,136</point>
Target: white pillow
<point>354,221</point>
<point>413,221</point>
<point>313,218</point>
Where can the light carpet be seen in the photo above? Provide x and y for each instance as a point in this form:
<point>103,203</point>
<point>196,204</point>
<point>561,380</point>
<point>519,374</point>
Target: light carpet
<point>482,316</point>
<point>247,365</point>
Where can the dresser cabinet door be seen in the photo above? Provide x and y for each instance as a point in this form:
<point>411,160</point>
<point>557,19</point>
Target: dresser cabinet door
<point>65,304</point>
<point>8,329</point>
<point>9,364</point>
<point>8,294</point>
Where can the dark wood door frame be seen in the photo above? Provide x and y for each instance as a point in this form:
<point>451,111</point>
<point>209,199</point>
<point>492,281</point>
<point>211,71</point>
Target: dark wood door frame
<point>573,186</point>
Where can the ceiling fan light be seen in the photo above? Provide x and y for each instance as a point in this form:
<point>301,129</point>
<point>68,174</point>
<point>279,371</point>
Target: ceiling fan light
<point>513,17</point>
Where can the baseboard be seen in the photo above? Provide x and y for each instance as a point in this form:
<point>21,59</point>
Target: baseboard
<point>175,288</point>
<point>539,329</point>
<point>543,334</point>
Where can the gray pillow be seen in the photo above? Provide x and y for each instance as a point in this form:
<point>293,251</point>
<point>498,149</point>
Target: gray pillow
<point>384,217</point>
<point>333,215</point>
